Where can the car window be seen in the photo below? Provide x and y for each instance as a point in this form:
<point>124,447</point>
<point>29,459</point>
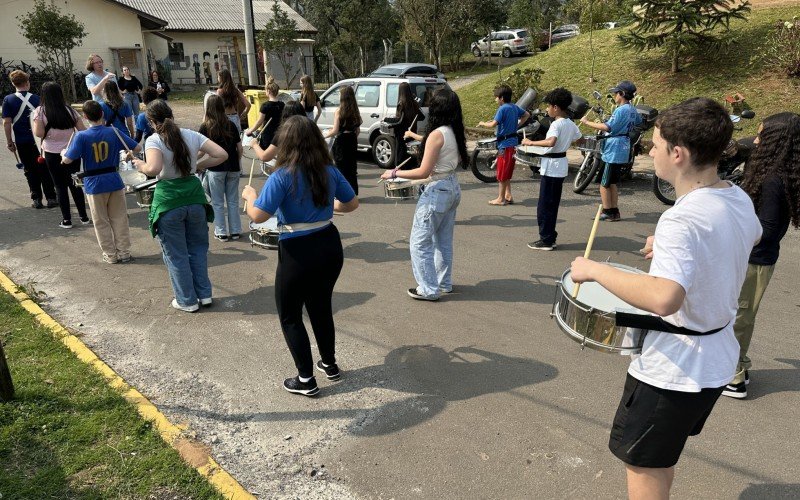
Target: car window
<point>522,34</point>
<point>332,99</point>
<point>368,94</point>
<point>392,94</point>
<point>422,70</point>
<point>497,36</point>
<point>424,91</point>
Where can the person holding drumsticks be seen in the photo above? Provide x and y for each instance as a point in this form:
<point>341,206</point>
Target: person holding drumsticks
<point>699,259</point>
<point>304,192</point>
<point>431,240</point>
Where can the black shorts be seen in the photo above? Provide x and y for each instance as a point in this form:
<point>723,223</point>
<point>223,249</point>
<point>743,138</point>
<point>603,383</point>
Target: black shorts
<point>651,425</point>
<point>611,174</point>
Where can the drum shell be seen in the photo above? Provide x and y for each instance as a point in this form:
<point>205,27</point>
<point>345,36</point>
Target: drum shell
<point>399,193</point>
<point>144,198</point>
<point>266,239</point>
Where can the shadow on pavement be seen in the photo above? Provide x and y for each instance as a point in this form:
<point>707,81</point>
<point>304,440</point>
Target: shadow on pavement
<point>775,490</point>
<point>375,251</point>
<point>504,290</point>
<point>774,381</point>
<point>261,300</point>
<point>607,244</point>
<point>516,220</point>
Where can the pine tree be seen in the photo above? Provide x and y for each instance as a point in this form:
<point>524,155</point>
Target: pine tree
<point>682,27</point>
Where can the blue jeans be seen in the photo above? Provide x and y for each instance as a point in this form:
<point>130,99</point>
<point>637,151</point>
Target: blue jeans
<point>183,234</point>
<point>431,241</point>
<point>223,187</point>
<point>133,101</point>
<point>236,120</point>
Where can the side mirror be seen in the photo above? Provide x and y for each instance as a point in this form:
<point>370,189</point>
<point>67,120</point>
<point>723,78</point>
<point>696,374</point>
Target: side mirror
<point>597,95</point>
<point>748,114</point>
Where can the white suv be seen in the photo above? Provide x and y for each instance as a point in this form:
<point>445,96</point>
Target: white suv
<point>377,100</point>
<point>506,42</point>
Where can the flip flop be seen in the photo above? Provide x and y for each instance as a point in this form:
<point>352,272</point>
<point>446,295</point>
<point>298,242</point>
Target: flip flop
<point>509,202</point>
<point>498,204</point>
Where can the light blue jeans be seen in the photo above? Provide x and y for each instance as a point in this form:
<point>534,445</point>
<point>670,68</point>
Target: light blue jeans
<point>223,187</point>
<point>183,234</point>
<point>431,241</point>
<point>133,101</point>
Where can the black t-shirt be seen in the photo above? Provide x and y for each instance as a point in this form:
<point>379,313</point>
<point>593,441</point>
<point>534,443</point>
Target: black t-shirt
<point>228,142</point>
<point>132,85</point>
<point>272,111</point>
<point>773,213</point>
<point>164,85</point>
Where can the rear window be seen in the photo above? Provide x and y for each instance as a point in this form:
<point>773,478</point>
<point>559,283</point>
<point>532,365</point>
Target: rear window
<point>423,91</point>
<point>522,34</point>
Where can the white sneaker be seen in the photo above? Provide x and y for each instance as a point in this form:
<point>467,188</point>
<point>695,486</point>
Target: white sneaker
<point>188,309</point>
<point>206,302</point>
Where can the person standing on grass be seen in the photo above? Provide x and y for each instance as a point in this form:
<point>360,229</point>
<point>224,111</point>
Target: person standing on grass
<point>17,108</point>
<point>223,180</point>
<point>508,119</point>
<point>55,122</point>
<point>97,77</point>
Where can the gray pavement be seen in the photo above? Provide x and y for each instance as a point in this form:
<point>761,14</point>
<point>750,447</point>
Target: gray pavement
<point>476,396</point>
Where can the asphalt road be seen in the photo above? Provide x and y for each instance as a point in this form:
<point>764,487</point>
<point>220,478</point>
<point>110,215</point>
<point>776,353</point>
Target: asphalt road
<point>477,396</point>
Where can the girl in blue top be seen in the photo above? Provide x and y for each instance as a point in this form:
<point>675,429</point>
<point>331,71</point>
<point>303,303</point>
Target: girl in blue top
<point>303,192</point>
<point>617,147</point>
<point>116,111</point>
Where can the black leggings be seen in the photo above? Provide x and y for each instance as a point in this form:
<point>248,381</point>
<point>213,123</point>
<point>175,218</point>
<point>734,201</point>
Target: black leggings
<point>308,267</point>
<point>62,178</point>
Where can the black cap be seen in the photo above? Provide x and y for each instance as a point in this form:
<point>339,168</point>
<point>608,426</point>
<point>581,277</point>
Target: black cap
<point>625,86</point>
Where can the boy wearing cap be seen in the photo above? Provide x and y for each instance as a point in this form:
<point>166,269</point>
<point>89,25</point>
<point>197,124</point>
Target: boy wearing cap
<point>17,108</point>
<point>617,146</point>
<point>700,252</point>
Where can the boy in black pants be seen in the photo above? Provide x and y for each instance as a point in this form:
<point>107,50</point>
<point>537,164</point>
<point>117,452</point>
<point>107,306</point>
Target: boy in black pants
<point>553,168</point>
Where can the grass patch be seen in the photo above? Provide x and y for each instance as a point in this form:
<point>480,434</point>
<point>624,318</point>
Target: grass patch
<point>191,96</point>
<point>741,68</point>
<point>67,434</point>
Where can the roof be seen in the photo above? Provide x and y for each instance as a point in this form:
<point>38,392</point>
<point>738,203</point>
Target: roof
<point>149,21</point>
<point>212,15</point>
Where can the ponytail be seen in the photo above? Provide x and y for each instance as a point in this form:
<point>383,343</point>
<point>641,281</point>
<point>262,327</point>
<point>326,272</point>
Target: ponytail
<point>160,114</point>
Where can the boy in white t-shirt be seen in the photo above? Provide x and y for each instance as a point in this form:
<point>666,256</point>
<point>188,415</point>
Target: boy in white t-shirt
<point>553,168</point>
<point>700,252</point>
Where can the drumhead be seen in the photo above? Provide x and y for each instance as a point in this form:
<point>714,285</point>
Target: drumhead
<point>247,140</point>
<point>270,225</point>
<point>132,177</point>
<point>592,294</point>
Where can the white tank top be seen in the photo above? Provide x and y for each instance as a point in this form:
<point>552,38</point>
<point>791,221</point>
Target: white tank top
<point>448,155</point>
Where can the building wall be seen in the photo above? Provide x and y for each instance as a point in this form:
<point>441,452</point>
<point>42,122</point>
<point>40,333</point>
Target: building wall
<point>121,29</point>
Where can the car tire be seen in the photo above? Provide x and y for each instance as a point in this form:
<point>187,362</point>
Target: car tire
<point>383,151</point>
<point>476,52</point>
<point>506,52</point>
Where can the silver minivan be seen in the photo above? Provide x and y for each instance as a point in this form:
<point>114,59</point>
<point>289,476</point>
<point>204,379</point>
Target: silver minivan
<point>377,100</point>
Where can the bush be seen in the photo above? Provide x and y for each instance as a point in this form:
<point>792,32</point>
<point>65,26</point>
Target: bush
<point>783,47</point>
<point>521,79</point>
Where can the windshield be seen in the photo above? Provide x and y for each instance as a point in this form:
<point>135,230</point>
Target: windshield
<point>387,72</point>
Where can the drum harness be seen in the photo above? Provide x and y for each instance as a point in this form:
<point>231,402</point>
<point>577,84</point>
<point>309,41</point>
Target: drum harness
<point>657,324</point>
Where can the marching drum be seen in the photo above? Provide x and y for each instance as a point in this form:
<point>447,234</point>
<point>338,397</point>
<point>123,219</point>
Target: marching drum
<point>132,178</point>
<point>144,197</point>
<point>247,140</point>
<point>590,318</point>
<point>267,167</point>
<point>399,190</point>
<point>265,234</point>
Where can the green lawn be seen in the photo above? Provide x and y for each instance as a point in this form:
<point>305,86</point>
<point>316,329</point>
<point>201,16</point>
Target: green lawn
<point>740,69</point>
<point>67,434</point>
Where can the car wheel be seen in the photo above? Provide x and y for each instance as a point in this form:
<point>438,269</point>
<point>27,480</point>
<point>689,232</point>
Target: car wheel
<point>506,52</point>
<point>383,151</point>
<point>476,52</point>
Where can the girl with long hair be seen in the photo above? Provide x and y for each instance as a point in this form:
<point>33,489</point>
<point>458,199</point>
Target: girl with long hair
<point>161,87</point>
<point>223,180</point>
<point>292,108</point>
<point>55,123</point>
<point>303,193</point>
<point>269,114</point>
<point>431,243</point>
<point>772,179</point>
<point>346,125</point>
<point>130,87</point>
<point>309,99</point>
<point>409,114</point>
<point>179,212</point>
<point>116,111</point>
<point>236,104</point>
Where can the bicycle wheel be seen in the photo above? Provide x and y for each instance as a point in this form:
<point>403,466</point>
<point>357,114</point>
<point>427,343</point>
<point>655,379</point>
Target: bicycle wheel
<point>663,190</point>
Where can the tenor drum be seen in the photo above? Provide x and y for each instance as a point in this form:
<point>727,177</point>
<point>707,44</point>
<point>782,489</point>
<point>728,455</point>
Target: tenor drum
<point>144,197</point>
<point>267,167</point>
<point>590,318</point>
<point>399,190</point>
<point>265,234</point>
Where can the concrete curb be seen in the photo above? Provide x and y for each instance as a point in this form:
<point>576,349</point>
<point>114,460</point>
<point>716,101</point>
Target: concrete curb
<point>169,432</point>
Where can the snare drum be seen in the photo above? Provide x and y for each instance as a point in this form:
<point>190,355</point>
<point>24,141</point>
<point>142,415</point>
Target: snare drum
<point>267,167</point>
<point>144,198</point>
<point>399,190</point>
<point>247,140</point>
<point>589,144</point>
<point>266,234</point>
<point>132,178</point>
<point>590,318</point>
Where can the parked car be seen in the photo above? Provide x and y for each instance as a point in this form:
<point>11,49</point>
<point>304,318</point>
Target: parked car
<point>506,42</point>
<point>610,25</point>
<point>408,69</point>
<point>377,100</point>
<point>565,32</point>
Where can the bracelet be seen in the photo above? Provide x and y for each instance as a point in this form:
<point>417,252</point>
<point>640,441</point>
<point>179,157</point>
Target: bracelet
<point>394,173</point>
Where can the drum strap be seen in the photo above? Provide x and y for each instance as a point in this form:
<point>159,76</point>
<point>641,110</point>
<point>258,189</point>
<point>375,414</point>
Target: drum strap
<point>501,138</point>
<point>302,226</point>
<point>657,324</point>
<point>98,171</point>
<point>562,154</point>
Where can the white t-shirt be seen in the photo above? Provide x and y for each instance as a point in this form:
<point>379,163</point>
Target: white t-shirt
<point>194,141</point>
<point>448,156</point>
<point>702,243</point>
<point>566,132</point>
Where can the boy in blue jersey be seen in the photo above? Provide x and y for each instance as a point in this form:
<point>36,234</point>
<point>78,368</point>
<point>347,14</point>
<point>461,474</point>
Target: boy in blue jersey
<point>508,119</point>
<point>99,147</point>
<point>617,148</point>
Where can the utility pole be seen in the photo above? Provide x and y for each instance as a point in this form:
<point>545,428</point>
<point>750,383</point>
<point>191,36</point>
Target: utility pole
<point>249,42</point>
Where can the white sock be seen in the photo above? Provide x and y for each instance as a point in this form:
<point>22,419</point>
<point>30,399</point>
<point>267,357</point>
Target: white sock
<point>304,380</point>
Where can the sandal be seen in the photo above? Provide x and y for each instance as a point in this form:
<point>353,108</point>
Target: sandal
<point>510,202</point>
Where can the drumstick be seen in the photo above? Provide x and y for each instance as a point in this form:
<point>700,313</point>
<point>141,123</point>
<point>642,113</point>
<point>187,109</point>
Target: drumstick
<point>260,132</point>
<point>589,245</point>
<point>413,122</point>
<point>249,181</point>
<point>401,164</point>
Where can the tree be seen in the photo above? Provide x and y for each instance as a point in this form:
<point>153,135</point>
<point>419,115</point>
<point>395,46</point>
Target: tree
<point>682,27</point>
<point>279,37</point>
<point>524,14</point>
<point>53,35</point>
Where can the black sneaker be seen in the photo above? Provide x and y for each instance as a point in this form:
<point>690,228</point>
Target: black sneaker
<point>234,236</point>
<point>541,245</point>
<point>66,224</point>
<point>295,386</point>
<point>746,377</point>
<point>332,371</point>
<point>85,221</point>
<point>412,292</point>
<point>738,391</point>
<point>221,237</point>
<point>37,204</point>
<point>52,203</point>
